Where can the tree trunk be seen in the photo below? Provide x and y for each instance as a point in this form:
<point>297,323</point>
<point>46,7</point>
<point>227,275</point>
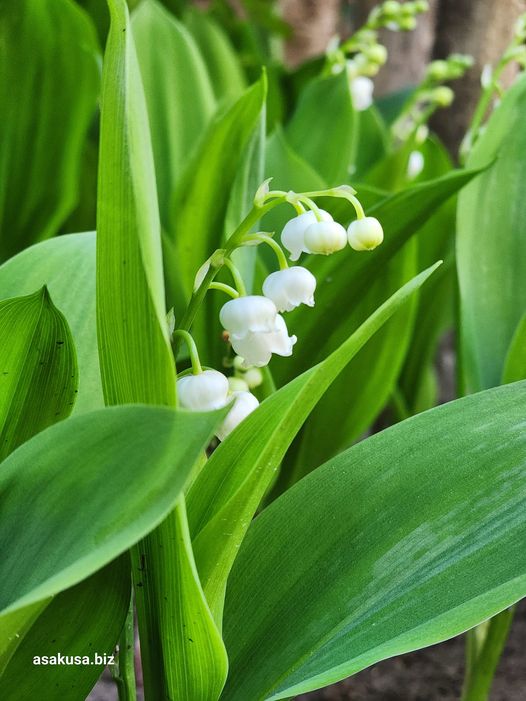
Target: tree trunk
<point>482,28</point>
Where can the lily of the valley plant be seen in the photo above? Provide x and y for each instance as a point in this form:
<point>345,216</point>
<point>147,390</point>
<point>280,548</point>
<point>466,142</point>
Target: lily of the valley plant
<point>194,488</point>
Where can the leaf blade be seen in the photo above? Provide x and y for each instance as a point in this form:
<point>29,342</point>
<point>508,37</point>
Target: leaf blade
<point>384,578</point>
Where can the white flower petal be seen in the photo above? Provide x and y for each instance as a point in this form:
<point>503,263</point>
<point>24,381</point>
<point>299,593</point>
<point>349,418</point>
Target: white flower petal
<point>203,392</point>
<point>252,313</point>
<point>362,92</point>
<point>365,234</point>
<point>244,404</point>
<point>415,164</point>
<point>293,234</point>
<point>256,348</point>
<point>289,288</point>
<point>325,237</point>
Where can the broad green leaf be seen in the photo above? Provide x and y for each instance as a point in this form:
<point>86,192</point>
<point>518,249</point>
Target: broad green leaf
<point>84,479</point>
<point>372,140</point>
<point>228,491</point>
<point>224,68</point>
<point>81,621</point>
<point>182,653</point>
<point>346,276</point>
<point>178,92</point>
<point>66,265</point>
<point>136,361</point>
<point>38,368</point>
<point>436,303</point>
<point>350,406</point>
<point>49,81</point>
<point>405,540</point>
<point>15,626</point>
<point>491,244</point>
<point>515,364</point>
<point>201,200</point>
<point>323,128</point>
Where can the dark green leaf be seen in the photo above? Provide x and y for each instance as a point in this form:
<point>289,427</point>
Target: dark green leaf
<point>38,368</point>
<point>394,545</point>
<point>82,621</point>
<point>49,81</point>
<point>66,265</point>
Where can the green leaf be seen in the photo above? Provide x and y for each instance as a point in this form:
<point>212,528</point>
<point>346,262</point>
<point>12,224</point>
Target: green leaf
<point>436,303</point>
<point>182,652</point>
<point>81,621</point>
<point>38,368</point>
<point>249,177</point>
<point>49,68</point>
<point>66,265</point>
<point>226,74</point>
<point>200,203</point>
<point>394,545</point>
<point>323,128</point>
<point>73,528</point>
<point>228,491</point>
<point>372,140</point>
<point>349,407</point>
<point>136,360</point>
<point>178,92</point>
<point>515,364</point>
<point>491,244</point>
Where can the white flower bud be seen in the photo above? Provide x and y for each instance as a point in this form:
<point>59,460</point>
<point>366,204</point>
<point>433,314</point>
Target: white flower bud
<point>253,377</point>
<point>325,237</point>
<point>236,384</point>
<point>293,234</point>
<point>289,288</point>
<point>415,164</point>
<point>365,234</point>
<point>203,392</point>
<point>256,348</point>
<point>361,92</point>
<point>253,313</point>
<point>244,404</point>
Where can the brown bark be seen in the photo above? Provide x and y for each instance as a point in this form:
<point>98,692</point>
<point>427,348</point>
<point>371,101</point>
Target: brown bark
<point>314,23</point>
<point>483,29</point>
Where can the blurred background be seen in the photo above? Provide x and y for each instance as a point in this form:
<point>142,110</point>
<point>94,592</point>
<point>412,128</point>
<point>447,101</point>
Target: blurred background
<point>481,28</point>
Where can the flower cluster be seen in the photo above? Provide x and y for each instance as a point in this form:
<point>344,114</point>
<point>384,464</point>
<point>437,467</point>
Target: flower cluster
<point>254,324</point>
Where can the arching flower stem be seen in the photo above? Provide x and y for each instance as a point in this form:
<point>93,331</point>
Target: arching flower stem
<point>266,238</point>
<point>192,349</point>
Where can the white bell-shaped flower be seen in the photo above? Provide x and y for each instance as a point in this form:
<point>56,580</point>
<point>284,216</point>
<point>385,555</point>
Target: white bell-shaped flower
<point>253,313</point>
<point>203,392</point>
<point>415,164</point>
<point>325,237</point>
<point>244,404</point>
<point>365,234</point>
<point>290,287</point>
<point>361,92</point>
<point>293,234</point>
<point>256,348</point>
